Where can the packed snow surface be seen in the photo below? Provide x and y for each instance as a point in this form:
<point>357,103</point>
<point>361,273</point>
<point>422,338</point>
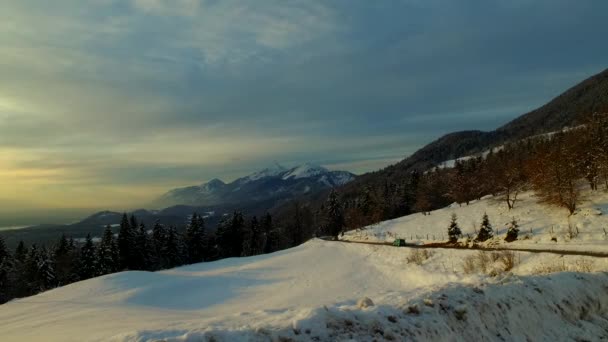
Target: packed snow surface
<point>310,293</point>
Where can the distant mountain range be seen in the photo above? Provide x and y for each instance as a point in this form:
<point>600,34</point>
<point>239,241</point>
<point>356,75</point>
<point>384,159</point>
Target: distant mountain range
<point>272,183</point>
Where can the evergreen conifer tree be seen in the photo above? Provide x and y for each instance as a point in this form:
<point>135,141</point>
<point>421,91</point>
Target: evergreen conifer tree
<point>6,269</point>
<point>21,252</point>
<point>31,277</point>
<point>46,270</point>
<point>64,259</point>
<point>485,231</point>
<point>107,253</point>
<point>247,237</point>
<point>141,250</point>
<point>194,239</point>
<point>125,243</point>
<point>172,255</point>
<point>267,243</point>
<point>87,261</point>
<point>159,237</point>
<point>334,215</point>
<point>454,230</point>
<point>512,231</point>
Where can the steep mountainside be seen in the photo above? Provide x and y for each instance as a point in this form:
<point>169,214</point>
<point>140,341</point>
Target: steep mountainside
<point>276,182</point>
<point>568,109</point>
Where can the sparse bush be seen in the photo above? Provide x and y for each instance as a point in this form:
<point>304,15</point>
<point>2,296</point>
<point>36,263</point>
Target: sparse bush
<point>476,263</point>
<point>418,256</point>
<point>482,262</point>
<point>581,265</point>
<point>572,231</point>
<point>461,313</point>
<point>507,258</point>
<point>469,266</point>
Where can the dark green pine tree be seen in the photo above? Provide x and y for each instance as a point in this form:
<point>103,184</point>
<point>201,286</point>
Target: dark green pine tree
<point>194,240</point>
<point>229,236</point>
<point>133,222</point>
<point>256,237</point>
<point>247,236</point>
<point>64,260</point>
<point>334,217</point>
<point>454,231</point>
<point>159,237</point>
<point>512,231</point>
<point>366,203</point>
<point>46,270</point>
<point>20,252</point>
<point>4,252</point>
<point>296,227</point>
<point>6,272</point>
<point>87,261</point>
<point>31,277</point>
<point>107,253</point>
<point>485,231</point>
<point>19,275</point>
<point>172,254</point>
<point>141,255</point>
<point>268,240</point>
<point>125,244</point>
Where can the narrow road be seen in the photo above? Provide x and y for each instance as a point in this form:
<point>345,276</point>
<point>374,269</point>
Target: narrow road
<point>553,251</point>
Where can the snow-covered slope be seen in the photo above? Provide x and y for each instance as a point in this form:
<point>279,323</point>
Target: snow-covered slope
<point>541,226</point>
<point>310,293</point>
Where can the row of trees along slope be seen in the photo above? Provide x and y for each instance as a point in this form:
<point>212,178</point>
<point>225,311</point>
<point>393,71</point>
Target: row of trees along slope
<point>408,186</point>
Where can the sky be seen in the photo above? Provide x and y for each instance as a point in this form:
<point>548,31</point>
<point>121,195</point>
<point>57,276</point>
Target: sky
<point>109,103</point>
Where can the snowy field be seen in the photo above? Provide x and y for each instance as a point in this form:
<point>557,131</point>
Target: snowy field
<point>541,226</point>
<point>310,293</point>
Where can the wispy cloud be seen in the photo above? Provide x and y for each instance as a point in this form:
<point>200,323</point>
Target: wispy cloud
<point>137,96</point>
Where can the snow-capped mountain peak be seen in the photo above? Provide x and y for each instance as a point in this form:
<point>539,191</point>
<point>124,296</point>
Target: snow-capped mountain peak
<point>305,171</point>
<point>273,182</point>
<point>272,171</point>
<point>212,185</point>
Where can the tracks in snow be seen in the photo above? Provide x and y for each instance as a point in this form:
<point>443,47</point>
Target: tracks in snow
<point>437,246</point>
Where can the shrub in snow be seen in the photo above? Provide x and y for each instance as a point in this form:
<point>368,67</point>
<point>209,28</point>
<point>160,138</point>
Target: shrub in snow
<point>507,258</point>
<point>418,256</point>
<point>512,231</point>
<point>413,310</point>
<point>485,231</point>
<point>364,303</point>
<point>461,313</point>
<point>453,230</point>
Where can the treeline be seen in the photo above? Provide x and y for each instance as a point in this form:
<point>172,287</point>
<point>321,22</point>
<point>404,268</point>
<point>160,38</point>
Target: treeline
<point>555,166</point>
<point>29,270</point>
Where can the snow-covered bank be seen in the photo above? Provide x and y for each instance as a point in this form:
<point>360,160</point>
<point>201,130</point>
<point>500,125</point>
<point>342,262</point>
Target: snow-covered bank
<point>308,287</point>
<point>310,293</point>
<point>563,307</point>
<point>541,226</point>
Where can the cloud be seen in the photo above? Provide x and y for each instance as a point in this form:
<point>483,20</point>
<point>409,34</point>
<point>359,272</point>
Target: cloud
<point>138,96</point>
